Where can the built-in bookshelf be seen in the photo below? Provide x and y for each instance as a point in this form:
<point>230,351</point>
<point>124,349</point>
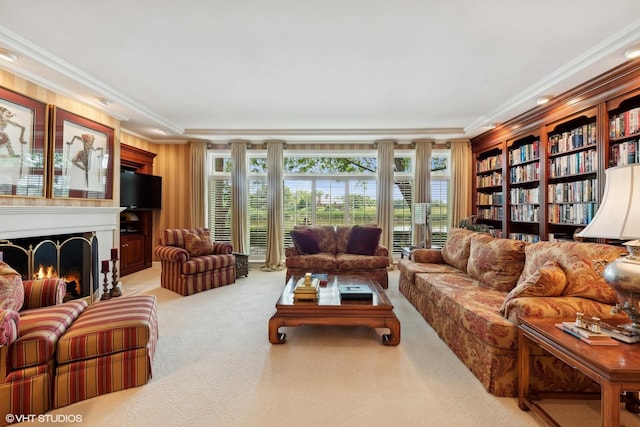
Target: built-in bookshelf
<point>624,133</point>
<point>554,157</point>
<point>488,184</point>
<point>572,173</point>
<point>523,155</point>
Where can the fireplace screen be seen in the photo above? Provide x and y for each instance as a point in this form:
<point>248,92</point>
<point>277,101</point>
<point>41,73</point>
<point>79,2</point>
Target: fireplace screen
<point>71,257</point>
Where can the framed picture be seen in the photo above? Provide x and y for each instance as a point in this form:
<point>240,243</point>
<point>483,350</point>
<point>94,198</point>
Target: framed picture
<point>82,157</point>
<point>23,152</point>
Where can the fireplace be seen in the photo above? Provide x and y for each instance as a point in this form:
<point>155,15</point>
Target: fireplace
<point>73,257</point>
<point>95,223</point>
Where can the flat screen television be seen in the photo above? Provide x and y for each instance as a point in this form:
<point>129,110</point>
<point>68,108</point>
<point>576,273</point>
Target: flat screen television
<point>140,191</point>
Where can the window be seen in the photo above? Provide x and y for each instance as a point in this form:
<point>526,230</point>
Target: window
<point>220,197</point>
<point>328,189</point>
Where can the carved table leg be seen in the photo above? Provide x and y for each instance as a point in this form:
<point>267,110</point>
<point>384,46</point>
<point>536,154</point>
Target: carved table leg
<point>275,336</point>
<point>393,337</point>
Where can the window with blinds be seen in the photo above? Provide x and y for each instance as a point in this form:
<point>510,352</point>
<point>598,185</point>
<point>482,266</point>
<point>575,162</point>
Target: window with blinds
<point>310,198</point>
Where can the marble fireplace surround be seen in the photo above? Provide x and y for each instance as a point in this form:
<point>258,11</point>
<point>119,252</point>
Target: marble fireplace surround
<point>17,222</point>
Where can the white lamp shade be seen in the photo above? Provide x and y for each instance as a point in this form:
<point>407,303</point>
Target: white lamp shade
<point>618,216</point>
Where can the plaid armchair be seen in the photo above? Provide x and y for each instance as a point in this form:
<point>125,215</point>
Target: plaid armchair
<point>191,262</point>
<point>32,319</point>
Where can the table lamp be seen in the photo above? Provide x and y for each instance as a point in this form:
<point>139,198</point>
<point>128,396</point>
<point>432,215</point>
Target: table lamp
<point>618,217</point>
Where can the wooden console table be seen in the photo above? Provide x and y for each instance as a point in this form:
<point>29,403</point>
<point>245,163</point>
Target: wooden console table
<point>615,368</point>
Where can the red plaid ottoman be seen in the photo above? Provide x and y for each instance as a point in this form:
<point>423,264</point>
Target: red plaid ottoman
<point>108,348</point>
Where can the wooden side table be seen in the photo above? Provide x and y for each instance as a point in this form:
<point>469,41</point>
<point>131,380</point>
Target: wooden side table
<point>615,368</point>
<point>242,264</point>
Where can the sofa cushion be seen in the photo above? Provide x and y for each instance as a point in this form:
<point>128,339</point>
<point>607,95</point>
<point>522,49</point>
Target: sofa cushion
<point>325,235</point>
<point>495,262</point>
<point>409,269</point>
<point>363,240</point>
<point>321,261</point>
<point>345,262</point>
<point>581,263</point>
<point>456,248</point>
<point>201,264</point>
<point>11,289</point>
<point>548,281</point>
<point>40,330</point>
<point>198,245</point>
<point>473,306</point>
<point>305,241</point>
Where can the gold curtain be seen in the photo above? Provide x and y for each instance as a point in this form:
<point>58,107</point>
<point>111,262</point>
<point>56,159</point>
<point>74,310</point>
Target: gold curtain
<point>275,205</point>
<point>422,177</point>
<point>385,193</point>
<point>238,195</point>
<point>198,183</point>
<point>460,181</point>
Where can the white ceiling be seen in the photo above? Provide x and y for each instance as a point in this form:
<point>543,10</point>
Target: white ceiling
<point>302,70</point>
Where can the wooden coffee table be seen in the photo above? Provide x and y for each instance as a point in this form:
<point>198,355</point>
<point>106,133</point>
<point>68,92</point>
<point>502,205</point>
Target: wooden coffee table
<point>330,310</point>
<point>615,368</point>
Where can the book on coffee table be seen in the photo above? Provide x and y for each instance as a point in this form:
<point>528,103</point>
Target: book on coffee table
<point>355,292</point>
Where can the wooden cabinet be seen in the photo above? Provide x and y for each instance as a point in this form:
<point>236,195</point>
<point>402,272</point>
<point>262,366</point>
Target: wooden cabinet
<point>132,253</point>
<point>136,226</point>
<point>553,158</point>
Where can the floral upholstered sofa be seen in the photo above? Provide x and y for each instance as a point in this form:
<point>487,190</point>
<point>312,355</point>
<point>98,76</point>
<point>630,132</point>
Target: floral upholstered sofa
<point>54,353</point>
<point>473,291</point>
<point>191,262</point>
<point>338,250</point>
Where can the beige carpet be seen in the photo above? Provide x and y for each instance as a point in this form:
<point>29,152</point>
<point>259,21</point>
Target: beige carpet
<point>214,366</point>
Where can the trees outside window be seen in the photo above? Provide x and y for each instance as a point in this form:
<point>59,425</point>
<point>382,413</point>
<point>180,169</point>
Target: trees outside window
<point>321,189</point>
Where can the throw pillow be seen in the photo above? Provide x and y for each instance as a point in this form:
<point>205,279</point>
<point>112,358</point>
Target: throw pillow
<point>548,281</point>
<point>496,262</point>
<point>305,241</point>
<point>11,289</point>
<point>363,240</point>
<point>198,245</point>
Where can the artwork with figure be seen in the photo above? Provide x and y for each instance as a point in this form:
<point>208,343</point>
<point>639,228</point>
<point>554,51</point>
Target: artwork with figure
<point>21,162</point>
<point>84,162</point>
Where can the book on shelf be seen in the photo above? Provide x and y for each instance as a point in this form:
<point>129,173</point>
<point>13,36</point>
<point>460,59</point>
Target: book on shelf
<point>586,336</point>
<point>355,292</point>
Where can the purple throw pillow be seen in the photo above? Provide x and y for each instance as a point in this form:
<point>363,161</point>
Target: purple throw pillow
<point>363,240</point>
<point>305,241</point>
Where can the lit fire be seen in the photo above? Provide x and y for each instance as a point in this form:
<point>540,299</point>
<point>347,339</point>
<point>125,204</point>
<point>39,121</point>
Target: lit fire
<point>45,272</point>
<point>50,273</point>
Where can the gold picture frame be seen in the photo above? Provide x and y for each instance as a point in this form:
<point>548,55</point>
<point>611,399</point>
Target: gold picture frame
<point>23,148</point>
<point>82,157</point>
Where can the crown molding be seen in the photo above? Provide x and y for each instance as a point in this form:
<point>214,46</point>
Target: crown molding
<point>29,50</point>
<point>315,135</point>
<point>616,43</point>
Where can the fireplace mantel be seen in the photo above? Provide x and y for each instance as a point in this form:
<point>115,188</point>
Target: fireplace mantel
<point>33,221</point>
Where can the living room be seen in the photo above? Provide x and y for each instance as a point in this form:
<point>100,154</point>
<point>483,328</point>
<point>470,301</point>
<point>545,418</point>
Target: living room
<point>591,66</point>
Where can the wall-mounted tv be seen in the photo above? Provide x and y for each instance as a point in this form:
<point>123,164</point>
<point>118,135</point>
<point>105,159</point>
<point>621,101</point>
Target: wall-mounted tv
<point>140,191</point>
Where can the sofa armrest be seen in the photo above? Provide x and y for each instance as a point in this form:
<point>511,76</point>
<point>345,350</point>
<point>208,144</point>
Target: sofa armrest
<point>222,248</point>
<point>290,252</point>
<point>427,256</point>
<point>43,292</point>
<point>381,251</point>
<point>8,326</point>
<point>171,253</point>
